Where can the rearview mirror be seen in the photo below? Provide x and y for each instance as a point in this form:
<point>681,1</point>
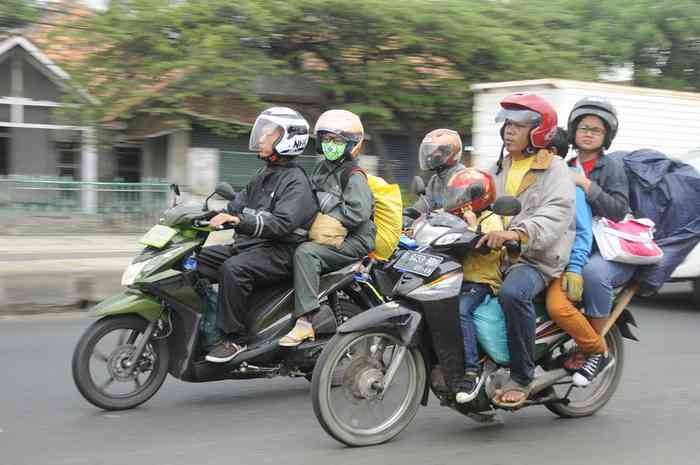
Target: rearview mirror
<point>507,206</point>
<point>225,190</point>
<point>417,186</point>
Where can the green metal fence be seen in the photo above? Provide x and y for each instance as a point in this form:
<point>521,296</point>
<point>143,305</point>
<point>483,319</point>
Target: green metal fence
<point>126,206</point>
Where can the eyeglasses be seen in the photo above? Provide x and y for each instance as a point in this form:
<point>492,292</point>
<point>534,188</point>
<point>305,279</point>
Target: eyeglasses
<point>591,130</point>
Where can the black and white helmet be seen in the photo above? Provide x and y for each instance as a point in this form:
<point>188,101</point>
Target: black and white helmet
<point>287,126</point>
<point>595,106</point>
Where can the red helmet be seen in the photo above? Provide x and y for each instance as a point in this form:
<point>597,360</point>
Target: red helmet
<point>530,109</point>
<point>469,188</point>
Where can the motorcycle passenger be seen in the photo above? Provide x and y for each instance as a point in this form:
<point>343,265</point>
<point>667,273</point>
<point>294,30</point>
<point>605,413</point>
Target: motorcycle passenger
<point>441,152</point>
<point>592,126</point>
<point>544,227</point>
<point>272,216</point>
<point>564,292</point>
<point>470,192</point>
<point>343,232</point>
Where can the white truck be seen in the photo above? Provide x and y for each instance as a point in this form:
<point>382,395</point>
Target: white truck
<point>667,121</point>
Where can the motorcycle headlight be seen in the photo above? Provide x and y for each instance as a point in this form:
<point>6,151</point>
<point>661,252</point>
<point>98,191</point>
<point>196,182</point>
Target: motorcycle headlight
<point>135,270</point>
<point>131,273</point>
<point>448,239</point>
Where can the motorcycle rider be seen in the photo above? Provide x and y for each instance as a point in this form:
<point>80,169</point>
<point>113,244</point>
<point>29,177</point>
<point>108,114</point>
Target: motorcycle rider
<point>592,126</point>
<point>272,216</point>
<point>544,227</point>
<point>343,232</point>
<point>441,152</point>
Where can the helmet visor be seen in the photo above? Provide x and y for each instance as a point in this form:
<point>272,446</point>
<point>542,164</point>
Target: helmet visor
<point>457,198</point>
<point>433,156</point>
<point>521,116</point>
<point>265,135</point>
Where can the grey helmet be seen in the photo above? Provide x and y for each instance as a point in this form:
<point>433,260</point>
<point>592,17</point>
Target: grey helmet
<point>595,106</point>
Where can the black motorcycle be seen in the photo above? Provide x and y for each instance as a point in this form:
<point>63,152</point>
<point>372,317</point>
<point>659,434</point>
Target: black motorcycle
<point>382,364</point>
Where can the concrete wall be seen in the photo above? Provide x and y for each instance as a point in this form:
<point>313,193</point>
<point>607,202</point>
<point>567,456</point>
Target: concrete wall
<point>33,152</point>
<point>5,78</point>
<point>178,146</point>
<point>37,86</point>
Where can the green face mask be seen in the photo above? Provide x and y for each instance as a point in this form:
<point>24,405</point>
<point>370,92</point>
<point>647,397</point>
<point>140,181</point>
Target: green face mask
<point>333,150</point>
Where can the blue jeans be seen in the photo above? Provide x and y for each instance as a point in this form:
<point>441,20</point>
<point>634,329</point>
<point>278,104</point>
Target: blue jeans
<point>471,297</point>
<point>600,278</point>
<point>520,286</point>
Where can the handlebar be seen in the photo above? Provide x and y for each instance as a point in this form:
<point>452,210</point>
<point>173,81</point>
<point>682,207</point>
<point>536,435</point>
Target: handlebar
<point>513,247</point>
<point>206,224</point>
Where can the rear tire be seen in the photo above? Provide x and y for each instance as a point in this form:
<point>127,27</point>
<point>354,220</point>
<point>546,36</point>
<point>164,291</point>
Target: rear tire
<point>325,378</point>
<point>599,394</point>
<point>154,362</point>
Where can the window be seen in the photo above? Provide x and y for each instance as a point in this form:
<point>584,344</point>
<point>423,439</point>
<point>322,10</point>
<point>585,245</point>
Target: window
<point>69,160</point>
<point>128,163</point>
<point>4,151</point>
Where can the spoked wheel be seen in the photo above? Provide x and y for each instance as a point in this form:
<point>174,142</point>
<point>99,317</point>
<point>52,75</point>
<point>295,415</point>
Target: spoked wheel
<point>101,370</point>
<point>367,387</point>
<point>586,401</point>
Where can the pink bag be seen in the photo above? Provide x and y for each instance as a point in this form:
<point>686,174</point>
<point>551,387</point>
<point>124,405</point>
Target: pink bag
<point>629,241</point>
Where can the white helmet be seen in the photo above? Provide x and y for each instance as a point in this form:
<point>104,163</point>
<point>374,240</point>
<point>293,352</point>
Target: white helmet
<point>288,127</point>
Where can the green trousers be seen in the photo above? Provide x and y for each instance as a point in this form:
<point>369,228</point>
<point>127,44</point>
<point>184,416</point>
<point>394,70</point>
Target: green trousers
<point>311,260</point>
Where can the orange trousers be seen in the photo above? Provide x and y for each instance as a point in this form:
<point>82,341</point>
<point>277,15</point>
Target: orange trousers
<point>569,318</point>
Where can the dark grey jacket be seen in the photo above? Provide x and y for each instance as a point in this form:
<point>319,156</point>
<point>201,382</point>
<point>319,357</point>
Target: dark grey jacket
<point>353,206</point>
<point>276,206</point>
<point>435,191</point>
<point>609,191</point>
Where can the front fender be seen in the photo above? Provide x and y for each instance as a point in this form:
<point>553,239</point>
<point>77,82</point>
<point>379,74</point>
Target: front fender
<point>391,317</point>
<point>129,301</point>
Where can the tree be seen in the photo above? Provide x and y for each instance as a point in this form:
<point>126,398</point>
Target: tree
<point>17,13</point>
<point>660,38</point>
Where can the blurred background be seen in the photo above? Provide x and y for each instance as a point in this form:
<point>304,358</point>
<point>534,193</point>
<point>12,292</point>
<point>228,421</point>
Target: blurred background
<point>105,103</point>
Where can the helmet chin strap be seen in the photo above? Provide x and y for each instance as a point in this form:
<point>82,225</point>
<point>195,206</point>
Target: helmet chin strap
<point>272,159</point>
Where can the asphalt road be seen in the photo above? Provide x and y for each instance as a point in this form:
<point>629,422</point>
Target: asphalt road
<point>653,419</point>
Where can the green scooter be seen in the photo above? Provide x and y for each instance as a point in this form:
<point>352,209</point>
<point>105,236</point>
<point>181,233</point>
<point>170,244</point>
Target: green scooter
<point>161,322</point>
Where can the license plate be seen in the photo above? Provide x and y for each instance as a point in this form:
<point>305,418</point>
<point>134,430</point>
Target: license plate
<point>422,264</point>
<point>158,236</point>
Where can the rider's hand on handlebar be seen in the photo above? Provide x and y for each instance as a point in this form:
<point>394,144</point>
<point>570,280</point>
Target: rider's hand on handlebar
<point>495,239</point>
<point>223,218</point>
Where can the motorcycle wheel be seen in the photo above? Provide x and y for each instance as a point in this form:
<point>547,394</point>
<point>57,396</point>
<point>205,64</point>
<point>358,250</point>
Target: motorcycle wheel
<point>587,401</point>
<point>98,363</point>
<point>344,395</point>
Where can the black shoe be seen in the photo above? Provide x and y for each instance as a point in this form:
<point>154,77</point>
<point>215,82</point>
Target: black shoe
<point>468,388</point>
<point>224,352</point>
<point>596,364</point>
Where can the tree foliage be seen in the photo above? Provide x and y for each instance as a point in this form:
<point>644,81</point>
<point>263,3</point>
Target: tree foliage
<point>405,64</point>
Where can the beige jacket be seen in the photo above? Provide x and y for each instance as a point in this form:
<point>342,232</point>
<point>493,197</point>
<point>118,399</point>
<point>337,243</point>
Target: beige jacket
<point>546,222</point>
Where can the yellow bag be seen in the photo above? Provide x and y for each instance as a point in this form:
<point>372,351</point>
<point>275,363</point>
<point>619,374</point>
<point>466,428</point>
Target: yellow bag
<point>388,212</point>
<point>388,216</point>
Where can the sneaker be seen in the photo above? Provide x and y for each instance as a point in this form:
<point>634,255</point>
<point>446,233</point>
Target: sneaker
<point>224,352</point>
<point>596,364</point>
<point>468,389</point>
<point>301,331</point>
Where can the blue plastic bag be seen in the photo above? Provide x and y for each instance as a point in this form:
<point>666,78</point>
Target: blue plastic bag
<point>491,330</point>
